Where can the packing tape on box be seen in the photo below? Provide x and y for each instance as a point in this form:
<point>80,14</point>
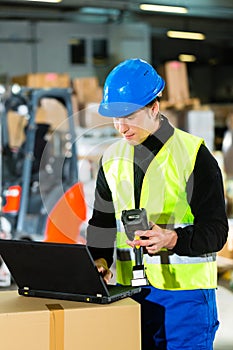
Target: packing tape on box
<point>56,326</point>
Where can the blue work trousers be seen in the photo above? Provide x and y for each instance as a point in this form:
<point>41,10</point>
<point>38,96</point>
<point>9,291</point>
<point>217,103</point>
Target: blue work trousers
<point>178,320</point>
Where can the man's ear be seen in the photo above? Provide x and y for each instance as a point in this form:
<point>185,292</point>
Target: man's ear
<point>154,109</point>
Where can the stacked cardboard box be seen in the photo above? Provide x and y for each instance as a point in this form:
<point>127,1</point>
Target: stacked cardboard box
<point>43,80</point>
<point>51,111</point>
<point>90,118</point>
<point>176,78</point>
<point>89,94</point>
<point>87,90</point>
<point>16,125</point>
<point>54,113</point>
<point>65,325</point>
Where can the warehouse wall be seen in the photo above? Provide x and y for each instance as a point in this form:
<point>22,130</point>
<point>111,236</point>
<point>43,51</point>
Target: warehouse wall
<point>15,48</point>
<point>44,46</point>
<point>28,47</point>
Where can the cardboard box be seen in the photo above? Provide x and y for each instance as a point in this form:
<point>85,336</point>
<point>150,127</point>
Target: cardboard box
<point>176,78</point>
<point>43,80</point>
<point>16,125</point>
<point>90,118</point>
<point>95,95</point>
<point>87,89</point>
<point>52,112</point>
<point>28,323</point>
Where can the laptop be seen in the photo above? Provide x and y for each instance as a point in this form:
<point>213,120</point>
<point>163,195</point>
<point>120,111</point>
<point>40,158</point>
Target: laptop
<point>58,271</point>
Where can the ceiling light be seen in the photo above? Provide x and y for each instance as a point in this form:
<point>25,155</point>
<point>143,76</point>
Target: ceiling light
<point>187,58</point>
<point>99,11</point>
<point>46,0</point>
<point>161,8</point>
<point>185,35</point>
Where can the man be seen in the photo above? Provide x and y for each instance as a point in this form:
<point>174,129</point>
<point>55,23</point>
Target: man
<point>175,178</point>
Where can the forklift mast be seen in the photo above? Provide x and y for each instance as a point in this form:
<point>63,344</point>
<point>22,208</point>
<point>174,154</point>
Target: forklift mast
<point>33,96</point>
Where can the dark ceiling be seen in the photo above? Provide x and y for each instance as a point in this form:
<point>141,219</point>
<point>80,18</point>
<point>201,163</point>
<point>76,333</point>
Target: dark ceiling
<point>214,18</point>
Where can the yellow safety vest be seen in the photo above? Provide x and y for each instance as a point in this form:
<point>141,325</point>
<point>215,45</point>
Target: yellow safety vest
<point>164,196</point>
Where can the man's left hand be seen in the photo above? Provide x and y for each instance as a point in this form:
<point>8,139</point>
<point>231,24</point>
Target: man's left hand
<point>156,239</point>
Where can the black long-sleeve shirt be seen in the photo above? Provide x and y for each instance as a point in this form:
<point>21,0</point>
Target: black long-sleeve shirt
<point>204,192</point>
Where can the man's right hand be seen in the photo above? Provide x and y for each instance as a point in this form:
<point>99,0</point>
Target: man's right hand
<point>102,267</point>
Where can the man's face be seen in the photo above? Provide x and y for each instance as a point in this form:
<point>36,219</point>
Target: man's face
<point>136,127</point>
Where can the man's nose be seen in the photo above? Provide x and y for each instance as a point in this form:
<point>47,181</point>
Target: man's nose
<point>122,125</point>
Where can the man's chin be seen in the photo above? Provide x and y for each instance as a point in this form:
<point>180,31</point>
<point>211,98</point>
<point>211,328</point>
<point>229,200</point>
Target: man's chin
<point>132,142</point>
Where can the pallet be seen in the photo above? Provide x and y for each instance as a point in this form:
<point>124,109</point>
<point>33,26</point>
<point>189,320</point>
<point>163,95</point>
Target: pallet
<point>181,104</point>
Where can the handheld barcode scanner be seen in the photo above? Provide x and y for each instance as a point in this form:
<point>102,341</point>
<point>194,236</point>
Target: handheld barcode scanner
<point>133,220</point>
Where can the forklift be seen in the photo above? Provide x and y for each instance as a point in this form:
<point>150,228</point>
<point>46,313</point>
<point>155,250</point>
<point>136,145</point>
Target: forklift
<point>42,198</point>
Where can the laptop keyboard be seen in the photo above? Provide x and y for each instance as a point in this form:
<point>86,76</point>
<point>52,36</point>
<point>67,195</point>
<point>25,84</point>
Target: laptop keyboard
<point>113,289</point>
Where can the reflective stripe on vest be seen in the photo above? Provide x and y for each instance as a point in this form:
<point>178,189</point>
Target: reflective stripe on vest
<point>164,196</point>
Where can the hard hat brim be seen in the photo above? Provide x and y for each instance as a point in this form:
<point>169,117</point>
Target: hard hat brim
<point>118,109</point>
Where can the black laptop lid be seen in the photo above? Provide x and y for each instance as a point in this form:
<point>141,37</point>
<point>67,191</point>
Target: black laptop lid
<point>65,268</point>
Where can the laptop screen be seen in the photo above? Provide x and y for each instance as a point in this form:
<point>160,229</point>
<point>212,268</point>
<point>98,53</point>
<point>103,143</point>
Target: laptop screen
<point>65,268</point>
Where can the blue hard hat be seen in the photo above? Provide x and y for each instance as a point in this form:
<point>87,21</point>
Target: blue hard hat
<point>130,86</point>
